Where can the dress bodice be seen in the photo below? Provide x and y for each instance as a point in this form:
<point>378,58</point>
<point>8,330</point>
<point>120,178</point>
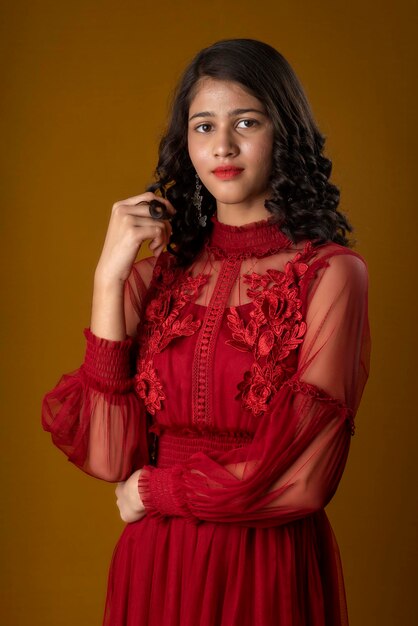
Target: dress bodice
<point>219,338</point>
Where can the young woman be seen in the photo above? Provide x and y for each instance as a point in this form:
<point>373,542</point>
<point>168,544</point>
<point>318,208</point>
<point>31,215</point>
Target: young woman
<point>222,375</point>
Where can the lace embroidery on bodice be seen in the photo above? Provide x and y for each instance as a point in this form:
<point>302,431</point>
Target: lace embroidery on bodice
<point>274,331</point>
<point>161,323</point>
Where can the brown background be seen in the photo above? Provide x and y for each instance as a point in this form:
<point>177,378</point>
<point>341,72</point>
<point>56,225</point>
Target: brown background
<point>85,92</point>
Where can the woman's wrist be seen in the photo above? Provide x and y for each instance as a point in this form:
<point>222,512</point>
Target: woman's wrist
<point>108,315</point>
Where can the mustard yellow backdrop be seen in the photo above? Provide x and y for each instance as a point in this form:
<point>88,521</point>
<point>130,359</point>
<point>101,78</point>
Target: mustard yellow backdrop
<point>86,87</point>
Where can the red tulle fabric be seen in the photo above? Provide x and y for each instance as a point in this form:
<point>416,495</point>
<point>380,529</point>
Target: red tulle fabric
<point>236,392</point>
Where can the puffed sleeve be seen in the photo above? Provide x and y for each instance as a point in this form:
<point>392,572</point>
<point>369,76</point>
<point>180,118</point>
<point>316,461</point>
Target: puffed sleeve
<point>93,413</point>
<point>294,464</point>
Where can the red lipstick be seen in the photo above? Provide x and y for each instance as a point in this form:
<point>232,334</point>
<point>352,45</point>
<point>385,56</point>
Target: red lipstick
<point>227,172</point>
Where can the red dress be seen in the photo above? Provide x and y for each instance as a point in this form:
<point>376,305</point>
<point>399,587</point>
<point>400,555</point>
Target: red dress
<point>237,397</point>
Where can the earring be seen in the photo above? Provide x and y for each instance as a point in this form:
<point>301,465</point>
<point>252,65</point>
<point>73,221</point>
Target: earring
<point>197,202</point>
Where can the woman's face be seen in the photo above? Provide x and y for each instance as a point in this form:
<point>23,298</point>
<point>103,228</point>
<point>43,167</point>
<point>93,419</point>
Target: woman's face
<point>230,127</point>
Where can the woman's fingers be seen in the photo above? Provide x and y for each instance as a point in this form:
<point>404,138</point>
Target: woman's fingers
<point>138,217</point>
<point>130,225</point>
<point>143,201</point>
<point>128,500</point>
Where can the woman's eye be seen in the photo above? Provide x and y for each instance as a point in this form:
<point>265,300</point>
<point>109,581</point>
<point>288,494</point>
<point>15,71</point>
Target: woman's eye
<point>201,126</point>
<point>252,122</point>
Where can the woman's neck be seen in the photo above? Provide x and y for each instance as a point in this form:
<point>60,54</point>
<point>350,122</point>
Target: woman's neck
<point>239,215</point>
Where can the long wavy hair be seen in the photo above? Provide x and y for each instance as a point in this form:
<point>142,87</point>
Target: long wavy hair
<point>303,201</point>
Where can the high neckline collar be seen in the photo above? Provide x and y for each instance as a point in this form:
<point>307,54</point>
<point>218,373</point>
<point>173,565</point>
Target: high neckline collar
<point>259,238</point>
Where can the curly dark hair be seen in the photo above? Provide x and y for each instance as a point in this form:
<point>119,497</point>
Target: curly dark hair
<point>303,201</point>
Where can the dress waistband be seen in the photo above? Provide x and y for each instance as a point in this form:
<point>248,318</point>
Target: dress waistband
<point>177,445</point>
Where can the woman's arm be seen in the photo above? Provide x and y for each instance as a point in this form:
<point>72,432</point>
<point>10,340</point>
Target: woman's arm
<point>93,413</point>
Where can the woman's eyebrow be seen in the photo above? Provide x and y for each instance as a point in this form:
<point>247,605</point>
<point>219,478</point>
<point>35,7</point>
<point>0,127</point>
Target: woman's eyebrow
<point>230,114</point>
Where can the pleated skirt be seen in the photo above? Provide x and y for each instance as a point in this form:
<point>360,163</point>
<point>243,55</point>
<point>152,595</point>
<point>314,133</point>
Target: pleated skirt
<point>169,572</point>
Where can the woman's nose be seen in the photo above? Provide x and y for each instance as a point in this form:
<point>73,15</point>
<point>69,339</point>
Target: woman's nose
<point>224,144</point>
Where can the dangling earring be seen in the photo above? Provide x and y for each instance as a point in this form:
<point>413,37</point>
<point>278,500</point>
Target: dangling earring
<point>197,202</point>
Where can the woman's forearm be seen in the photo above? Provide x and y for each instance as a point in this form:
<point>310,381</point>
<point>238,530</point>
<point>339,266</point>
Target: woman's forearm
<point>108,315</point>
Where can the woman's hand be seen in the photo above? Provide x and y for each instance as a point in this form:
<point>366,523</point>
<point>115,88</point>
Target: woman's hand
<point>130,225</point>
<point>128,499</point>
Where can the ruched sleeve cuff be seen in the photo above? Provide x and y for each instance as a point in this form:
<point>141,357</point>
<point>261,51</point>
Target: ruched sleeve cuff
<point>108,365</point>
<point>162,492</point>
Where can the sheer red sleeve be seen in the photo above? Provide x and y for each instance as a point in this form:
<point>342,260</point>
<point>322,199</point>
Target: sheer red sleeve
<point>93,413</point>
<point>296,459</point>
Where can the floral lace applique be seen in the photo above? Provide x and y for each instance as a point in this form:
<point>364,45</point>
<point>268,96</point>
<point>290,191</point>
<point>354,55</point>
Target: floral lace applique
<point>161,324</point>
<point>275,329</point>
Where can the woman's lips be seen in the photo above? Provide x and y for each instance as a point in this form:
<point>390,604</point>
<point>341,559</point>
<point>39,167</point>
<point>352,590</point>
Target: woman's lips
<point>229,172</point>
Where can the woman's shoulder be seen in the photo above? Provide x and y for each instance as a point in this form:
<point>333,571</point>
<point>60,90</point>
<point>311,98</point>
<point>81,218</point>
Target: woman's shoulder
<point>142,270</point>
<point>145,263</point>
<point>338,255</point>
<point>145,267</point>
<point>339,265</point>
